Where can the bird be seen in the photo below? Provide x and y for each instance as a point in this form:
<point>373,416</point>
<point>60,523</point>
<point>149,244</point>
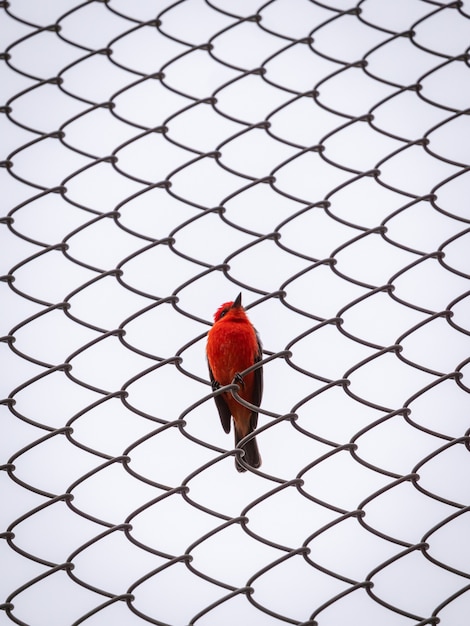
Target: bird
<point>233,345</point>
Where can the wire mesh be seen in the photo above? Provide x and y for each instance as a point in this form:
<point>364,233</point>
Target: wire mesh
<point>158,158</point>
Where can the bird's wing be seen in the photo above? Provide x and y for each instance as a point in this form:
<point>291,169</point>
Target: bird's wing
<point>222,407</point>
<point>258,385</point>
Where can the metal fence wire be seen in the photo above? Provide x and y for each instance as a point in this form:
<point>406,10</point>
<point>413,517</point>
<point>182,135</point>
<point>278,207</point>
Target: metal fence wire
<point>157,159</point>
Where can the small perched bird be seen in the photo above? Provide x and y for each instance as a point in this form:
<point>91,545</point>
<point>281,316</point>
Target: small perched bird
<point>233,345</point>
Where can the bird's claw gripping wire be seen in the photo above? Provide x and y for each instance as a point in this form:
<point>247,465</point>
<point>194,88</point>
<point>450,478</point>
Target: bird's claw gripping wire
<point>238,379</point>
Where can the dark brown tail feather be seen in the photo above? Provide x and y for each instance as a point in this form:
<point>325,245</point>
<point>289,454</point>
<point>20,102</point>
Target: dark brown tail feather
<point>252,456</point>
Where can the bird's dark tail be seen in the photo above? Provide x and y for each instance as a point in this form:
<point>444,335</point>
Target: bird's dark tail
<point>252,456</point>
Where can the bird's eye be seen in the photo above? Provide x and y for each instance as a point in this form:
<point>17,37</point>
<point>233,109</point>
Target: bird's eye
<point>222,313</point>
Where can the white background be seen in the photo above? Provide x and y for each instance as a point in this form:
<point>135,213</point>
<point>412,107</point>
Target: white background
<point>110,276</point>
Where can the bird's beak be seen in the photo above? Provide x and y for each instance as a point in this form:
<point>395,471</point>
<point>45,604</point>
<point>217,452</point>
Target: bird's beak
<point>238,302</point>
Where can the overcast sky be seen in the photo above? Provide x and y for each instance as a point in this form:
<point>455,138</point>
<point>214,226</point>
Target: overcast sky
<point>158,159</point>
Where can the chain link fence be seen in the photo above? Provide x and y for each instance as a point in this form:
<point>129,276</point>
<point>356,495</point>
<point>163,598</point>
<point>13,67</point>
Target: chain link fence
<point>157,159</point>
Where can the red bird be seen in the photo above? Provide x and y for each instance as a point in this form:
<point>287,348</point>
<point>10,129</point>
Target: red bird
<point>233,345</point>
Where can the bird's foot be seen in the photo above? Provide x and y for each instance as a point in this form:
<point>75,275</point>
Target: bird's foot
<point>239,380</point>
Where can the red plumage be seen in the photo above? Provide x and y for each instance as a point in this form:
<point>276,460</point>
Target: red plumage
<point>233,345</point>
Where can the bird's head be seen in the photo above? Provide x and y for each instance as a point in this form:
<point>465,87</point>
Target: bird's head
<point>231,310</point>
